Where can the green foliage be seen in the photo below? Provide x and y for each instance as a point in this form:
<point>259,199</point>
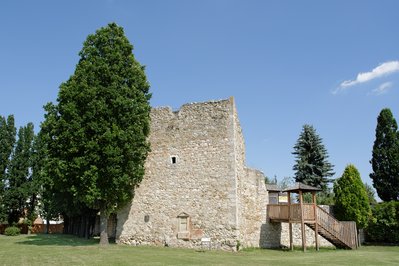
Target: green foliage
<point>385,160</point>
<point>322,198</point>
<point>12,231</point>
<point>19,175</point>
<point>15,171</point>
<point>42,184</point>
<point>285,183</point>
<point>96,137</point>
<point>384,225</point>
<point>267,180</point>
<point>238,245</point>
<point>36,184</point>
<point>325,197</point>
<point>351,201</point>
<point>370,194</point>
<point>7,141</point>
<point>311,164</point>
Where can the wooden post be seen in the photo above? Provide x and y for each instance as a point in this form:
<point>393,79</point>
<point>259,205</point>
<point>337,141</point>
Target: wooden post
<point>357,235</point>
<point>289,221</point>
<point>302,221</point>
<point>316,225</point>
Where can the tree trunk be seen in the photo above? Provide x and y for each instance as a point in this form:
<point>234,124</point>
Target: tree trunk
<point>73,226</point>
<point>92,224</point>
<point>47,224</point>
<point>82,228</point>
<point>103,228</point>
<point>87,224</point>
<point>66,224</point>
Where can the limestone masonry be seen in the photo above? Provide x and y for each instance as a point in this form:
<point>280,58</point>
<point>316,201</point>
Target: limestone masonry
<point>197,185</point>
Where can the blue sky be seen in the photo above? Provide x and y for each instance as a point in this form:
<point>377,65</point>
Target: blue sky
<point>332,64</point>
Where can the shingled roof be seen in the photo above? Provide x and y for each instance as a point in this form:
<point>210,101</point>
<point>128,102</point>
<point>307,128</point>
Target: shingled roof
<point>273,188</point>
<point>300,186</point>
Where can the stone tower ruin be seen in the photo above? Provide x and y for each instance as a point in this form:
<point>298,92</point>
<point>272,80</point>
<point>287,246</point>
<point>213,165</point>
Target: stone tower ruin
<point>196,183</point>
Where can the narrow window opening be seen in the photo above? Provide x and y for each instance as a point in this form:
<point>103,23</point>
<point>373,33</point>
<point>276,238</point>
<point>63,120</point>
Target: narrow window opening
<point>146,218</point>
<point>174,159</point>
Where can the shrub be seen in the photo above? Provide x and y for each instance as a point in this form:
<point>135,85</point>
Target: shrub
<point>351,200</point>
<point>384,224</point>
<point>12,231</point>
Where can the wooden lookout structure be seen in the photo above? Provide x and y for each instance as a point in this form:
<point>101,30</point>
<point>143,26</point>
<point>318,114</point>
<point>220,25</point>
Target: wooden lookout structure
<point>340,234</point>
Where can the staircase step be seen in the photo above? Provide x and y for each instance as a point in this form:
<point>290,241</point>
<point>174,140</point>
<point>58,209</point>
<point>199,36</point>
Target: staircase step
<point>329,236</point>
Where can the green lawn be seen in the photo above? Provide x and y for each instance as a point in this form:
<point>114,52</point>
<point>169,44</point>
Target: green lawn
<point>68,250</point>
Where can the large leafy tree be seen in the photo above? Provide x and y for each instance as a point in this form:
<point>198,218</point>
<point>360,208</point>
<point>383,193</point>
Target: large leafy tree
<point>54,201</point>
<point>311,163</point>
<point>385,160</point>
<point>19,175</point>
<point>97,133</point>
<point>351,200</point>
<point>7,142</point>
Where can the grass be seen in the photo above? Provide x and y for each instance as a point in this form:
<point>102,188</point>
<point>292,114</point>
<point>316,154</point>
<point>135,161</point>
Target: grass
<point>69,250</point>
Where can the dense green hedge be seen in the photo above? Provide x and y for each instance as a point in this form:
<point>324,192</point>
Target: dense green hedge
<point>384,224</point>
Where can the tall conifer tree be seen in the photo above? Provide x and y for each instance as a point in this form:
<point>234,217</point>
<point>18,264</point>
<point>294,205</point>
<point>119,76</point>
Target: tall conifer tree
<point>19,175</point>
<point>7,142</point>
<point>311,165</point>
<point>385,160</point>
<point>98,131</point>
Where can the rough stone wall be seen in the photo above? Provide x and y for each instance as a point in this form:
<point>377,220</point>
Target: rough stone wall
<point>196,173</point>
<point>297,236</point>
<point>270,235</point>
<point>253,200</point>
<point>251,192</point>
<point>309,234</point>
<point>201,184</point>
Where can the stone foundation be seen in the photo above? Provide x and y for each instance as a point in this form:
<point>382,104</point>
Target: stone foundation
<point>297,236</point>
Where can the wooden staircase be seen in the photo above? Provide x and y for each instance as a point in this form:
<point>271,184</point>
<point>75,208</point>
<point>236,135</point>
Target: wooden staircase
<point>340,234</point>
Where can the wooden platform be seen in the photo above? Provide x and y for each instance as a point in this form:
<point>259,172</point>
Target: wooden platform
<point>339,233</point>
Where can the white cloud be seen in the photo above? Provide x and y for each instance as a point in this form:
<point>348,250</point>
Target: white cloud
<point>383,69</point>
<point>382,89</point>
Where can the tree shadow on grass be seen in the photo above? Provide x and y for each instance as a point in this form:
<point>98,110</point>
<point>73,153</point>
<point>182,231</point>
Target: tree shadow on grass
<point>57,240</point>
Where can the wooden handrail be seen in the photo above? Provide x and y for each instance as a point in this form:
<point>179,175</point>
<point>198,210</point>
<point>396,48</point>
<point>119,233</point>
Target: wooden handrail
<point>345,232</point>
<point>291,212</point>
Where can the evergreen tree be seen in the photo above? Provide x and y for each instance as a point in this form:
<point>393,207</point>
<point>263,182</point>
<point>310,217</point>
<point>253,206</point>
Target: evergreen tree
<point>19,175</point>
<point>325,197</point>
<point>97,134</point>
<point>7,142</point>
<point>385,160</point>
<point>311,165</point>
<point>351,200</point>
